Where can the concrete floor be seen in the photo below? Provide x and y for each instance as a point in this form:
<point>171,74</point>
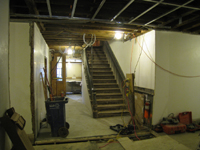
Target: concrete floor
<point>83,125</point>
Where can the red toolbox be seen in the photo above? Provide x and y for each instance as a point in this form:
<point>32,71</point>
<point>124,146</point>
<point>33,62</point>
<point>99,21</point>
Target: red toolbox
<point>186,118</point>
<point>174,128</point>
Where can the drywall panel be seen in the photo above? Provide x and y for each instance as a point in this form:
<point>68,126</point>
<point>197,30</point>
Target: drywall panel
<point>161,97</point>
<point>41,50</point>
<point>184,59</point>
<point>85,94</point>
<point>4,69</point>
<point>19,60</point>
<point>137,61</point>
<point>180,54</point>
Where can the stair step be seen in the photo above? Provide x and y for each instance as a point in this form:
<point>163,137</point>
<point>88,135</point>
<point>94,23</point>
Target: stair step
<point>110,113</point>
<point>104,81</point>
<point>103,77</point>
<point>105,85</point>
<point>95,52</point>
<point>109,101</point>
<point>98,62</point>
<point>99,65</point>
<point>109,94</point>
<point>107,90</point>
<point>101,69</point>
<point>102,72</point>
<point>111,105</point>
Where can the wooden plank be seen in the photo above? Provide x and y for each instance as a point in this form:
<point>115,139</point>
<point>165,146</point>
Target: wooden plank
<point>126,142</point>
<point>94,138</point>
<point>64,73</point>
<point>139,108</point>
<point>44,86</point>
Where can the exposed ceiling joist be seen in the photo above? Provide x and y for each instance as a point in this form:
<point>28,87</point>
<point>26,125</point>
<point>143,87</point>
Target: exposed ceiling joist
<point>186,22</point>
<point>63,22</point>
<point>146,11</point>
<point>172,4</point>
<point>176,18</point>
<point>168,12</point>
<point>98,9</point>
<point>74,8</point>
<point>49,8</point>
<point>33,9</point>
<point>129,3</point>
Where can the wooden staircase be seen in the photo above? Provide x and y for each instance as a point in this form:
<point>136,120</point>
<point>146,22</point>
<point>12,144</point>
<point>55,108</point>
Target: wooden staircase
<point>109,98</point>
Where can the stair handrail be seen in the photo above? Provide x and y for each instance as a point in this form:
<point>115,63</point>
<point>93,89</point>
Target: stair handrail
<point>113,59</point>
<point>87,71</point>
<point>117,71</point>
<point>89,76</point>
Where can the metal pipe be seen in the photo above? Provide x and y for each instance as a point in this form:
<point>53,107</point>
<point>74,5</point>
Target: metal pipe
<point>169,12</point>
<point>74,8</point>
<point>146,11</point>
<point>131,1</point>
<point>49,8</point>
<point>98,9</point>
<point>165,3</point>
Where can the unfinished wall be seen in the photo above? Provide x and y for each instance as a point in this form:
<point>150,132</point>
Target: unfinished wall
<point>145,70</point>
<point>19,59</point>
<point>179,53</point>
<point>4,72</point>
<point>41,50</point>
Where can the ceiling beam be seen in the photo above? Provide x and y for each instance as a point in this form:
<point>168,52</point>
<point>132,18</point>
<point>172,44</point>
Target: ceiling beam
<point>74,8</point>
<point>176,18</point>
<point>49,8</point>
<point>98,9</point>
<point>172,4</point>
<point>129,3</point>
<point>146,11</point>
<point>32,9</point>
<point>193,26</point>
<point>186,22</point>
<point>65,19</point>
<point>169,12</point>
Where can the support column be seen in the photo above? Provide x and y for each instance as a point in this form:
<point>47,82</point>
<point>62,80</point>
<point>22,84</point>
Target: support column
<point>64,73</point>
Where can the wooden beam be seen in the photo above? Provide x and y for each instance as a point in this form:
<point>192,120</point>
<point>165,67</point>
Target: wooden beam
<point>186,21</point>
<point>82,139</point>
<point>33,10</point>
<point>193,26</point>
<point>176,18</point>
<point>64,73</point>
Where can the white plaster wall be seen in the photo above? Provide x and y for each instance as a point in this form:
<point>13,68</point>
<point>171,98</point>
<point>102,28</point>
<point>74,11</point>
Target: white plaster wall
<point>41,50</point>
<point>85,94</point>
<point>179,53</point>
<point>4,69</point>
<point>145,71</point>
<point>161,97</point>
<point>74,69</point>
<point>19,59</point>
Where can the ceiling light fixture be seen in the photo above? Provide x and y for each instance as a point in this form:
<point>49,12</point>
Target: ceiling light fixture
<point>118,35</point>
<point>69,51</point>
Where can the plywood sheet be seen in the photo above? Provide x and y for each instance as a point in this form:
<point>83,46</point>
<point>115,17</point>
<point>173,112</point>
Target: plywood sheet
<point>139,108</point>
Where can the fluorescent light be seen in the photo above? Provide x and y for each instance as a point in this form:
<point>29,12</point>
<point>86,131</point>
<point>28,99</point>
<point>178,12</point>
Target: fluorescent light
<point>118,35</point>
<point>69,51</point>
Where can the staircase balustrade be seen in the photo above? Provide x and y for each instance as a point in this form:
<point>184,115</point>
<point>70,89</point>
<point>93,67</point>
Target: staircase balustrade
<point>89,78</point>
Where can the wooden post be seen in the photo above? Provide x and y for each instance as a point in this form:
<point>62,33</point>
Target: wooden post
<point>64,73</point>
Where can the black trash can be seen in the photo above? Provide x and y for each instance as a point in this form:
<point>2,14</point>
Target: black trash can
<point>56,116</point>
